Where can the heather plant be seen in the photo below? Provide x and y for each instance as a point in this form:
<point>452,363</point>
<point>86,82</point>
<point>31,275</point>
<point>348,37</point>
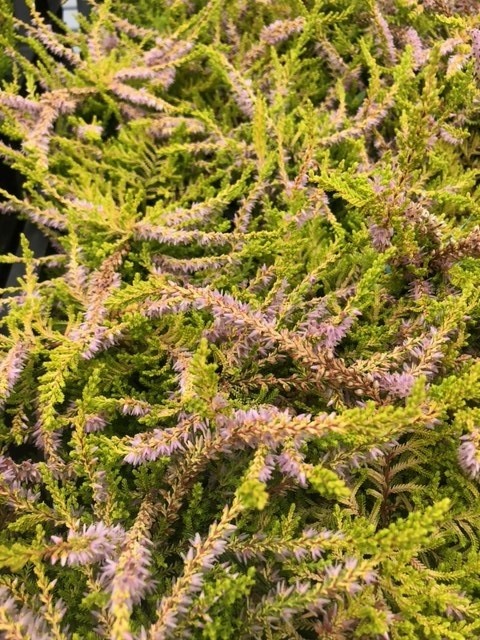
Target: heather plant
<point>239,398</point>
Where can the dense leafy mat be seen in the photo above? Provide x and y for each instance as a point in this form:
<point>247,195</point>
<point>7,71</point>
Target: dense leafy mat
<point>240,398</point>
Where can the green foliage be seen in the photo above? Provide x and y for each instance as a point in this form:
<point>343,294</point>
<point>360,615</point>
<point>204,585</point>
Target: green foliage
<point>328,484</point>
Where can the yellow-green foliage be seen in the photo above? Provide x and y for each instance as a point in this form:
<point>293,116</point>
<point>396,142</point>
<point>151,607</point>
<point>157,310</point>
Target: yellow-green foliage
<point>238,397</point>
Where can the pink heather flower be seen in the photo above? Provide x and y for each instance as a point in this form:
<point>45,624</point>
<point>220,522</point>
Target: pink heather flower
<point>207,558</point>
<point>446,136</point>
<point>242,96</point>
<point>453,612</point>
<point>381,237</point>
<point>385,34</point>
<point>334,334</point>
<point>132,407</point>
<point>419,288</point>
<point>469,454</point>
<point>180,366</point>
<point>139,97</point>
<point>449,45</point>
<point>102,339</point>
<point>54,438</point>
<point>93,543</point>
<point>20,104</point>
<point>167,50</point>
<point>129,575</point>
<point>420,54</point>
<point>475,34</point>
<point>219,402</point>
<point>86,206</point>
<point>285,601</point>
<point>271,310</point>
<point>310,544</point>
<point>280,30</point>
<point>28,624</point>
<point>328,334</point>
<point>266,471</point>
<point>110,42</point>
<point>147,447</point>
<point>94,423</point>
<point>291,463</point>
<point>333,571</point>
<point>428,353</point>
<point>240,419</point>
<point>168,235</point>
<point>155,309</point>
<point>132,31</point>
<point>370,577</point>
<point>174,266</point>
<point>303,216</point>
<point>101,284</point>
<point>10,369</point>
<point>244,213</point>
<point>196,214</point>
<point>314,318</point>
<point>164,76</point>
<point>100,487</point>
<point>397,384</point>
<point>201,557</point>
<point>16,474</point>
<point>44,32</point>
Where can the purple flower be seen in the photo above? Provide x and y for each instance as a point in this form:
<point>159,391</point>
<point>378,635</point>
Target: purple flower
<point>132,407</point>
<point>46,441</point>
<point>147,447</point>
<point>94,423</point>
<point>449,45</point>
<point>164,76</point>
<point>26,622</point>
<point>427,352</point>
<point>167,50</point>
<point>17,474</point>
<point>397,384</point>
<point>100,487</point>
<point>102,338</point>
<point>139,97</point>
<point>475,34</point>
<point>381,237</point>
<point>420,54</point>
<point>291,463</point>
<point>267,469</point>
<point>328,333</point>
<point>168,235</point>
<point>280,30</point>
<point>128,577</point>
<point>242,93</point>
<point>469,455</point>
<point>201,557</point>
<point>10,369</point>
<point>419,288</point>
<point>91,544</point>
<point>20,104</point>
<point>385,35</point>
<point>243,216</point>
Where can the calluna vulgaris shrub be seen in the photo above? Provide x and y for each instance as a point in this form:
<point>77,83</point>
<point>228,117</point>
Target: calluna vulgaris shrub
<point>240,398</point>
